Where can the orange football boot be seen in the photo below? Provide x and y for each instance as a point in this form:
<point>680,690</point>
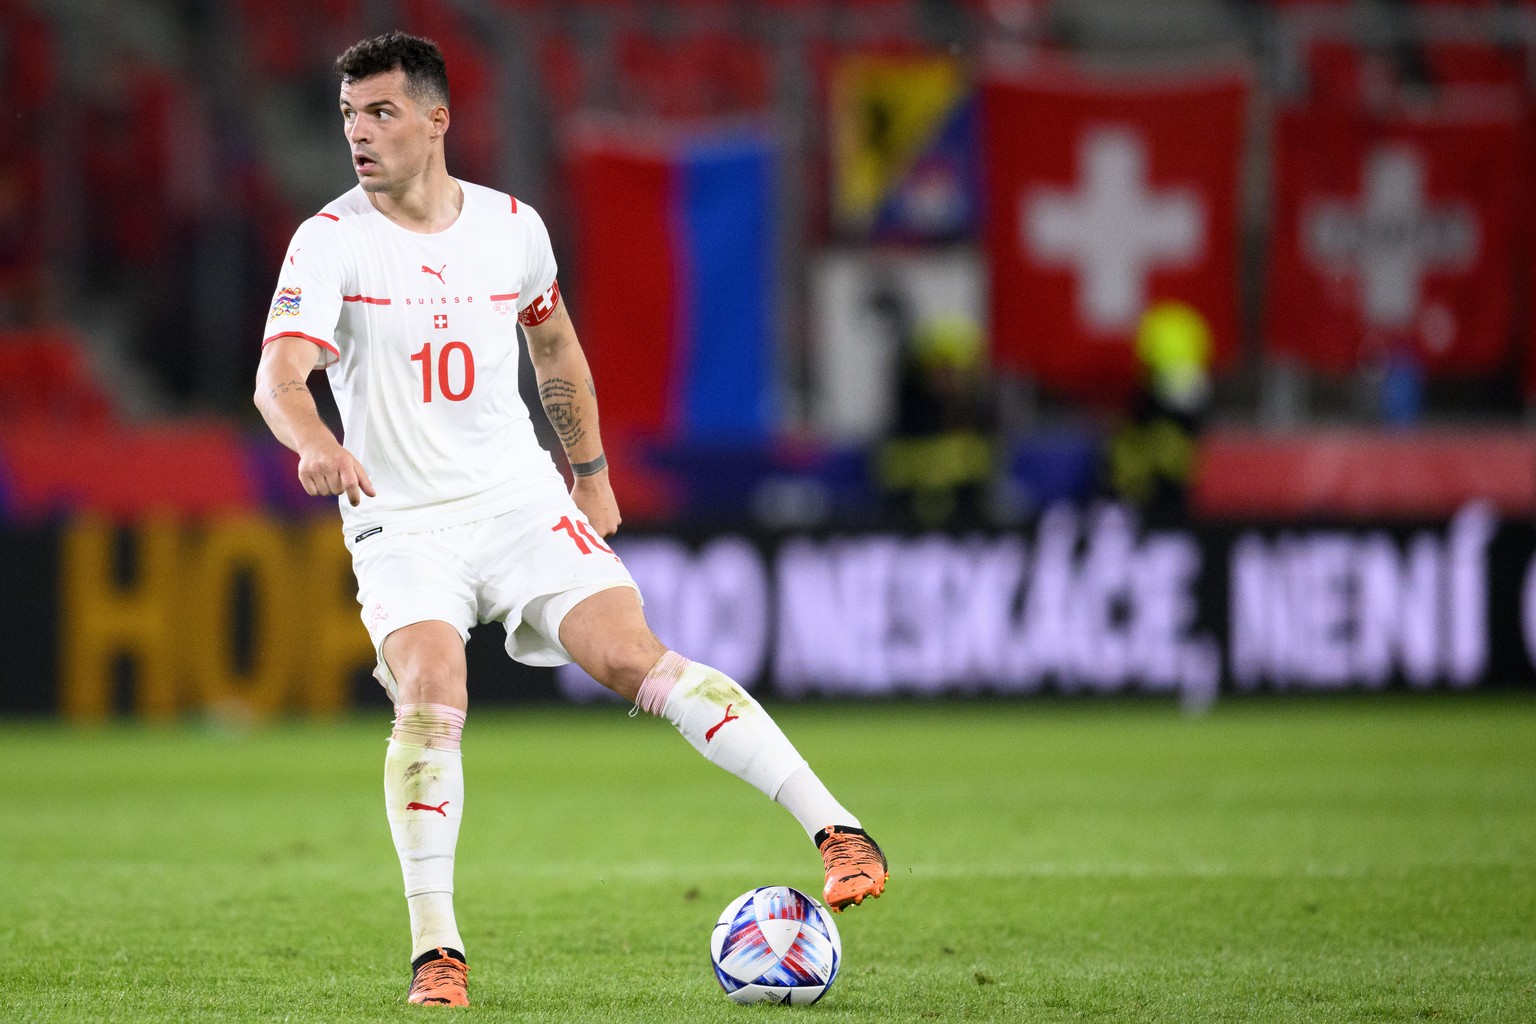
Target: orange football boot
<point>855,866</point>
<point>440,978</point>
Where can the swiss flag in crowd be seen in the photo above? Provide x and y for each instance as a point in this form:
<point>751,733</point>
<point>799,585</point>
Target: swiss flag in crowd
<point>1107,194</point>
<point>1394,234</point>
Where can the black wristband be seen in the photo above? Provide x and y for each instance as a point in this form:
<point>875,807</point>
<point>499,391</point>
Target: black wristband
<point>597,465</point>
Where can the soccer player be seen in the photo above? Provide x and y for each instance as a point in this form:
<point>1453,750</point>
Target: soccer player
<point>406,290</point>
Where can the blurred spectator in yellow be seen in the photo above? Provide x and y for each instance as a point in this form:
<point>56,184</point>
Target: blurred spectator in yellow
<point>1152,456</point>
<point>937,468</point>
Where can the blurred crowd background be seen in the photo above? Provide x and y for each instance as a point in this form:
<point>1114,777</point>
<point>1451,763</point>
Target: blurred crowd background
<point>983,345</point>
<point>853,262</point>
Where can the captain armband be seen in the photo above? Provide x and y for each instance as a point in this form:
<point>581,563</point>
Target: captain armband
<point>541,308</point>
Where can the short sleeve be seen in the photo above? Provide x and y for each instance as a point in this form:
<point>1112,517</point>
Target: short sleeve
<point>310,285</point>
<point>538,290</point>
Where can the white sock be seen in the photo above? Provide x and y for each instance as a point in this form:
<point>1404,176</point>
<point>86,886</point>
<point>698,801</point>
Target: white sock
<point>424,799</point>
<point>733,731</point>
<point>812,804</point>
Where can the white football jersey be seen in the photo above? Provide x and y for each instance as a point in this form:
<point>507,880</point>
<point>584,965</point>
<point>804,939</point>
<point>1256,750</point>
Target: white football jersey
<point>418,335</point>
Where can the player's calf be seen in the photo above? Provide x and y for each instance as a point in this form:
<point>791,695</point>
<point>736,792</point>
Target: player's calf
<point>721,721</point>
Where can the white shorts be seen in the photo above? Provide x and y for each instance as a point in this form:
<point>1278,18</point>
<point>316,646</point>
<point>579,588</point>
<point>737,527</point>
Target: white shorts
<point>526,569</point>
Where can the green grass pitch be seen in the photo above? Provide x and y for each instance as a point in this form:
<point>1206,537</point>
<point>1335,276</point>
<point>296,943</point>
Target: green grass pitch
<point>1336,860</point>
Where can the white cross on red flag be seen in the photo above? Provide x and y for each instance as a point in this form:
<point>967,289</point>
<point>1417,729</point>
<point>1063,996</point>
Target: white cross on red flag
<point>1106,194</point>
<point>1393,234</point>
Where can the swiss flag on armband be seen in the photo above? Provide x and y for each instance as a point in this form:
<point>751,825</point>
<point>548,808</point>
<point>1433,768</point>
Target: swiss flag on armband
<point>541,308</point>
<point>1107,193</point>
<point>1395,233</point>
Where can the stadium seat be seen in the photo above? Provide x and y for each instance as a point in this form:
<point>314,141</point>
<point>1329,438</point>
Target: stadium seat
<point>45,378</point>
<point>702,75</point>
<point>290,39</point>
<point>29,78</point>
<point>475,85</point>
<point>562,74</point>
<point>1478,64</point>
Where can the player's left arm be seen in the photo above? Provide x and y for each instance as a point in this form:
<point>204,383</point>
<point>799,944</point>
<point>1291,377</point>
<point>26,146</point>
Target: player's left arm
<point>570,401</point>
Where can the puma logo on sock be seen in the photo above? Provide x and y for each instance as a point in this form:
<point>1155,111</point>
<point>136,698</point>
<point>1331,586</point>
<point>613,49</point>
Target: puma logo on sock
<point>414,806</point>
<point>716,727</point>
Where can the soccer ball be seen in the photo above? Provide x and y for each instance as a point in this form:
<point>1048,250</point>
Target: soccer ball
<point>775,944</point>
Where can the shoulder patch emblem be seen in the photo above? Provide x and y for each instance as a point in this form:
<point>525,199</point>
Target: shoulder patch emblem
<point>286,303</point>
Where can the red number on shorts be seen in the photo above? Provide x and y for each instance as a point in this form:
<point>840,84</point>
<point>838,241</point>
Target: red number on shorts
<point>425,356</point>
<point>581,534</point>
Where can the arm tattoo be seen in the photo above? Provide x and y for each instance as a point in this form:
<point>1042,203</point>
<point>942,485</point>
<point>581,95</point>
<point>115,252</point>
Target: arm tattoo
<point>591,388</point>
<point>558,396</point>
<point>288,385</point>
<point>555,388</point>
<point>592,468</point>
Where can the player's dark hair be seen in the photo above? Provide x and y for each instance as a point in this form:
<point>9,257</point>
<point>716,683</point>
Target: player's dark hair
<point>426,74</point>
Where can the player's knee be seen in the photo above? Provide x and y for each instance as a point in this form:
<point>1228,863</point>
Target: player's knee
<point>427,662</point>
<point>433,690</point>
<point>622,667</point>
<point>427,681</point>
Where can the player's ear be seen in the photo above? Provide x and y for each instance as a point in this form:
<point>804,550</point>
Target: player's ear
<point>440,120</point>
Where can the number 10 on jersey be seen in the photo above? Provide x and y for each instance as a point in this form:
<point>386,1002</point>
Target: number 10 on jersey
<point>441,378</point>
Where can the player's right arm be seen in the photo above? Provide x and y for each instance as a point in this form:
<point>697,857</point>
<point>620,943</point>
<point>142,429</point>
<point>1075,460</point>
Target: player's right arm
<point>300,336</point>
<point>283,397</point>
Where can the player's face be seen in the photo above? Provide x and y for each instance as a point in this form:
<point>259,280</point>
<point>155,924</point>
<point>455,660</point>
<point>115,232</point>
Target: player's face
<point>389,133</point>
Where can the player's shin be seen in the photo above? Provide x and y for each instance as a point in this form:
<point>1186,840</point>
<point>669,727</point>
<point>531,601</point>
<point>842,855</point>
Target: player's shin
<point>733,731</point>
<point>424,798</point>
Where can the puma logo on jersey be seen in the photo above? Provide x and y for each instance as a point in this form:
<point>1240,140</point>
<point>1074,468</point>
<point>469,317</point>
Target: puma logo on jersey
<point>436,273</point>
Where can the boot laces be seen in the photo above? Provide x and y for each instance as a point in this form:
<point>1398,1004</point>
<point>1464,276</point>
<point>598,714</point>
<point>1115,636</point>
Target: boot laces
<point>844,848</point>
<point>437,973</point>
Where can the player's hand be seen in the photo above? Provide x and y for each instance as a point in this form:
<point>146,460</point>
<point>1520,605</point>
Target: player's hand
<point>594,496</point>
<point>325,467</point>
